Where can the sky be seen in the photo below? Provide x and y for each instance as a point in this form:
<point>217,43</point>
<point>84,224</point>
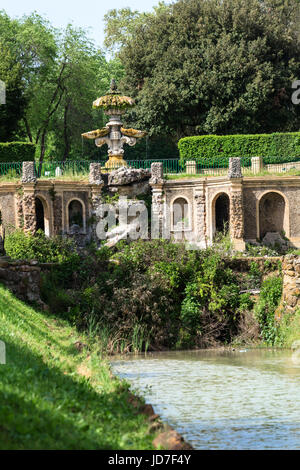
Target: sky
<point>87,14</point>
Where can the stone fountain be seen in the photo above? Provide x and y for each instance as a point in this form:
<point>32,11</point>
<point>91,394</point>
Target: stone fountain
<point>114,134</point>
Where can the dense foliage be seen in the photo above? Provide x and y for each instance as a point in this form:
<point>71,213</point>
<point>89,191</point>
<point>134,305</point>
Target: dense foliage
<point>210,67</point>
<point>39,247</point>
<point>151,148</point>
<point>148,294</point>
<point>270,296</point>
<point>277,147</point>
<point>17,151</point>
<point>156,294</point>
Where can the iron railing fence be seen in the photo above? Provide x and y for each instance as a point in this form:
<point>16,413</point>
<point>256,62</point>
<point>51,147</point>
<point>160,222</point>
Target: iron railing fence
<point>55,169</point>
<point>11,169</point>
<point>202,167</point>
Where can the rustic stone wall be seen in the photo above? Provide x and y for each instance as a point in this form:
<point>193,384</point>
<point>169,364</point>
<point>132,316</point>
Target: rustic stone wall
<point>8,207</point>
<point>254,190</point>
<point>22,278</point>
<point>291,284</point>
<point>17,201</point>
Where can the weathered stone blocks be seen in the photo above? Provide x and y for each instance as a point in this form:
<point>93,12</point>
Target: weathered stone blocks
<point>291,285</point>
<point>28,172</point>
<point>95,174</point>
<point>23,279</point>
<point>235,170</point>
<point>157,173</point>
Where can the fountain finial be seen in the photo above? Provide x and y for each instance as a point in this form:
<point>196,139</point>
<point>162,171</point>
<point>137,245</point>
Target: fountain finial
<point>114,134</point>
<point>113,86</point>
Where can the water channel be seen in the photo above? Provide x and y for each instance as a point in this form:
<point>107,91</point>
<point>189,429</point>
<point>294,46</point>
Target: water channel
<point>230,400</point>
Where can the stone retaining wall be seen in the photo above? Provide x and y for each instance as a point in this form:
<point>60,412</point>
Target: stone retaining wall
<point>291,284</point>
<point>23,279</point>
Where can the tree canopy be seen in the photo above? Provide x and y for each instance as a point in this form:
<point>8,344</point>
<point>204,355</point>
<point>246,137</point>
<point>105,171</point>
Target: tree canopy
<point>52,77</point>
<point>211,66</point>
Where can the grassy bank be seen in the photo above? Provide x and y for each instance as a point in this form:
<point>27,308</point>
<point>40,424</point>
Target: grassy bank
<point>56,392</point>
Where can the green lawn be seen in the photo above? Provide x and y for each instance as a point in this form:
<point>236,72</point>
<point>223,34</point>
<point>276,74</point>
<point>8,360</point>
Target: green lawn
<point>54,397</point>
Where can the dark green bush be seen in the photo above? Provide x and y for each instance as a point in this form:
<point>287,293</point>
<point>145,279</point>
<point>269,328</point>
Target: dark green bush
<point>17,152</point>
<point>277,147</point>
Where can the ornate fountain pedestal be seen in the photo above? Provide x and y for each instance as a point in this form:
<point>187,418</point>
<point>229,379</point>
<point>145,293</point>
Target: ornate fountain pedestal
<point>113,134</point>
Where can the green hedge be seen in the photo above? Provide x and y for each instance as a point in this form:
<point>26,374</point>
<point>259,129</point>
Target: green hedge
<point>277,147</point>
<point>17,152</point>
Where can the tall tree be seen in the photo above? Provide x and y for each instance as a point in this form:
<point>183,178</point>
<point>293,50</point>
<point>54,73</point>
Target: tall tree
<point>52,78</point>
<point>214,66</point>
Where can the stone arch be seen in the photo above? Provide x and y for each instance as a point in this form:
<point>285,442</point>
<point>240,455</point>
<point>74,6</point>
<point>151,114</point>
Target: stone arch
<point>42,215</point>
<point>272,213</point>
<point>180,213</point>
<point>76,215</point>
<point>220,213</point>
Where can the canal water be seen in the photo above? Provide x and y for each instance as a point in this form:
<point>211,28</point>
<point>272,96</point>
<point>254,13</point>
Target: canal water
<point>232,400</point>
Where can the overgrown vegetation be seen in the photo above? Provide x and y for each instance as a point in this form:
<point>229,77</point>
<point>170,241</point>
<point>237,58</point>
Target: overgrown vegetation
<point>72,401</point>
<point>156,294</point>
<point>141,295</point>
<point>270,295</point>
<point>39,247</point>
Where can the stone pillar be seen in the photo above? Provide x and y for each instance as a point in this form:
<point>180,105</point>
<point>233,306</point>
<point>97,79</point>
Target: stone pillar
<point>235,170</point>
<point>236,219</point>
<point>236,222</point>
<point>157,173</point>
<point>28,200</point>
<point>95,177</point>
<point>57,214</point>
<point>29,215</point>
<point>157,211</point>
<point>257,164</point>
<point>201,236</point>
<point>19,207</point>
<point>28,172</point>
<point>96,184</point>
<point>191,167</point>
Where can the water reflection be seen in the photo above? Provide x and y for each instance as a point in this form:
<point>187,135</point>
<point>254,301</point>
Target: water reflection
<point>222,399</point>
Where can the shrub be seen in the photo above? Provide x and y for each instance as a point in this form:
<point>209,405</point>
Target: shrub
<point>269,299</point>
<point>277,147</point>
<point>17,151</point>
<point>21,246</point>
<point>289,329</point>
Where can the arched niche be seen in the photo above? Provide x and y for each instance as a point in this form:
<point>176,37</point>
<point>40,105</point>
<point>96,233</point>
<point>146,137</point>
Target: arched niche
<point>272,214</point>
<point>220,213</point>
<point>42,215</point>
<point>76,216</point>
<point>180,214</point>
